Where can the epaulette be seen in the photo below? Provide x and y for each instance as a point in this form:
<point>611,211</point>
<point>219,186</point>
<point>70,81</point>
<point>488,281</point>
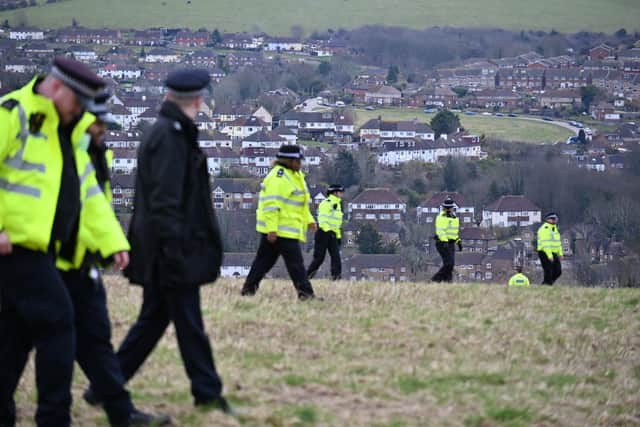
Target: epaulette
<point>10,104</point>
<point>280,172</point>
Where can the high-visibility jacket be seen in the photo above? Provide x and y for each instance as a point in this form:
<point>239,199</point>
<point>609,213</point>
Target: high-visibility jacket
<point>549,240</point>
<point>99,230</point>
<point>330,215</point>
<point>519,279</point>
<point>447,227</point>
<point>283,204</point>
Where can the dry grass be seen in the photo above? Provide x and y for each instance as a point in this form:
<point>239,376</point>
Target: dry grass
<point>398,355</point>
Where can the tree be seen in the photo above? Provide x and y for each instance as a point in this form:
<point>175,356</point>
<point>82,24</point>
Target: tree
<point>589,94</point>
<point>345,171</point>
<point>582,136</point>
<point>369,240</point>
<point>445,122</point>
<point>450,175</point>
<point>215,37</point>
<point>392,75</point>
<point>324,68</point>
<point>460,91</point>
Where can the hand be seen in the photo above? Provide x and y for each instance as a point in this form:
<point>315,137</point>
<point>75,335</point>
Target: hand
<point>339,242</point>
<point>313,227</point>
<point>5,244</point>
<point>272,237</point>
<point>459,246</point>
<point>121,260</point>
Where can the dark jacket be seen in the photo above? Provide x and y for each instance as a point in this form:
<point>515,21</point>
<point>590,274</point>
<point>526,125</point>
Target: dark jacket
<point>174,234</point>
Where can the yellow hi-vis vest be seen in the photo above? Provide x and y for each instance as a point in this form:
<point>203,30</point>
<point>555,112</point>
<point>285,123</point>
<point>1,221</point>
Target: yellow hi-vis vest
<point>330,217</point>
<point>30,167</point>
<point>447,228</point>
<point>519,279</point>
<point>99,230</point>
<point>283,205</point>
<point>549,240</point>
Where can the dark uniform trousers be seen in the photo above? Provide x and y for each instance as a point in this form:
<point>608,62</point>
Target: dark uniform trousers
<point>447,251</point>
<point>266,258</point>
<point>36,311</point>
<point>181,306</point>
<point>94,351</point>
<point>323,241</point>
<point>552,268</point>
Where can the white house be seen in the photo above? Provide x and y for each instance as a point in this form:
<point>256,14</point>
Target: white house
<point>376,130</point>
<point>236,265</point>
<point>266,139</point>
<point>214,138</point>
<point>26,34</point>
<point>161,54</point>
<point>125,161</point>
<point>20,65</point>
<point>396,152</point>
<point>283,44</point>
<point>377,204</point>
<point>244,126</point>
<point>510,211</point>
<point>120,72</point>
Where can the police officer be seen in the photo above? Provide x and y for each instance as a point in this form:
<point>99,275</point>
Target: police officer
<point>282,219</point>
<point>99,236</point>
<point>40,191</point>
<point>550,249</point>
<point>175,240</point>
<point>329,234</point>
<point>447,236</point>
<point>519,279</point>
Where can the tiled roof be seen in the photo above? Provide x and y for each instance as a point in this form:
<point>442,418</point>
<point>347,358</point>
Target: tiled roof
<point>512,204</point>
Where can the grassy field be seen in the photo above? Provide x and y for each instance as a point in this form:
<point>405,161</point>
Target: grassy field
<point>382,354</point>
<point>505,128</point>
<point>277,17</point>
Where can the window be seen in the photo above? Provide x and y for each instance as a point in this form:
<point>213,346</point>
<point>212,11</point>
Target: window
<point>467,219</point>
<point>396,216</point>
<point>488,275</point>
<point>429,219</point>
<point>488,266</point>
<point>352,269</point>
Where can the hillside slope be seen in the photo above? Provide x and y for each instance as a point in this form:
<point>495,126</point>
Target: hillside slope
<point>399,355</point>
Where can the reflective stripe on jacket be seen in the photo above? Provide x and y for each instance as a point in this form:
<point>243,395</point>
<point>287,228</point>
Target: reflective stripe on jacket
<point>330,215</point>
<point>447,228</point>
<point>283,205</point>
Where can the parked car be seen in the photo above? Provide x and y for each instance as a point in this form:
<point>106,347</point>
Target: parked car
<point>369,108</point>
<point>470,113</point>
<point>513,115</point>
<point>340,104</point>
<point>486,113</point>
<point>499,115</point>
<point>547,118</point>
<point>430,110</point>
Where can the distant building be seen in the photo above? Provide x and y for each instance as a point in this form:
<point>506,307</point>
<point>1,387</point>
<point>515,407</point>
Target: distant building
<point>509,211</point>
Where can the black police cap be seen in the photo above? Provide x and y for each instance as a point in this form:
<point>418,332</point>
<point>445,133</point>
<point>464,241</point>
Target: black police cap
<point>78,77</point>
<point>290,152</point>
<point>334,188</point>
<point>188,81</point>
<point>448,203</point>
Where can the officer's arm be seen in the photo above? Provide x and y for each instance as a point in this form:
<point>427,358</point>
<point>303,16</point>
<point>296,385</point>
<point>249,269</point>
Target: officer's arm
<point>105,234</point>
<point>5,146</point>
<point>168,163</point>
<point>273,193</point>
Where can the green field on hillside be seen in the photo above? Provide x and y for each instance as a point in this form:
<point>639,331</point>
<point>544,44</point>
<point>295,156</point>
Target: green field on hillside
<point>505,128</point>
<point>277,17</point>
<point>404,354</point>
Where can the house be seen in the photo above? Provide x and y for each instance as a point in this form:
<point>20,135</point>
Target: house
<point>243,127</point>
<point>604,111</point>
<point>263,138</point>
<point>228,113</point>
<point>82,53</point>
<point>285,44</point>
<point>376,268</point>
<point>383,95</point>
<point>37,48</point>
<point>241,41</point>
<point>220,159</point>
<point>263,114</point>
<point>162,55</point>
<point>473,77</point>
<point>123,189</point>
<point>566,79</point>
<point>476,239</point>
<point>430,208</point>
<point>203,57</point>
<point>377,204</point>
<point>470,267</point>
<point>310,125</point>
<point>204,122</point>
<point>125,118</point>
<point>290,136</point>
<point>234,193</point>
<point>601,52</point>
<point>376,131</point>
<point>394,152</point>
<point>389,231</point>
<point>120,71</point>
<point>20,65</point>
<point>510,211</point>
<point>441,96</point>
<point>257,160</point>
<point>344,128</point>
<point>496,98</point>
<point>214,138</point>
<point>77,35</point>
<point>236,264</point>
<point>557,99</point>
<point>192,38</point>
<point>26,33</point>
<point>146,38</point>
<point>118,139</point>
<point>125,161</point>
<point>520,79</point>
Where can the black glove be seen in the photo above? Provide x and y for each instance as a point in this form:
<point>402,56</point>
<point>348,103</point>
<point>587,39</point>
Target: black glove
<point>339,242</point>
<point>460,245</point>
<point>435,237</point>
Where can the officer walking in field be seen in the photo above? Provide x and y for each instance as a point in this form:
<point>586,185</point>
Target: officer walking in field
<point>282,219</point>
<point>329,233</point>
<point>519,279</point>
<point>40,203</point>
<point>99,237</point>
<point>175,240</point>
<point>447,236</point>
<point>550,249</point>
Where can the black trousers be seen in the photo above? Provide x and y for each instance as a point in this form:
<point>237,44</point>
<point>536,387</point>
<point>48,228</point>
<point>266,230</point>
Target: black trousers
<point>323,241</point>
<point>181,306</point>
<point>447,251</point>
<point>94,351</point>
<point>36,312</point>
<point>552,268</point>
<point>267,256</point>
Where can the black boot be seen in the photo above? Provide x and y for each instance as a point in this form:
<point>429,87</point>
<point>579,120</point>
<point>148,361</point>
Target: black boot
<point>139,418</point>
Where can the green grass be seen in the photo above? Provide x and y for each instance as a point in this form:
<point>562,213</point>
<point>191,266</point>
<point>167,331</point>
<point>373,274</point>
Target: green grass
<point>505,128</point>
<point>405,354</point>
<point>277,17</point>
